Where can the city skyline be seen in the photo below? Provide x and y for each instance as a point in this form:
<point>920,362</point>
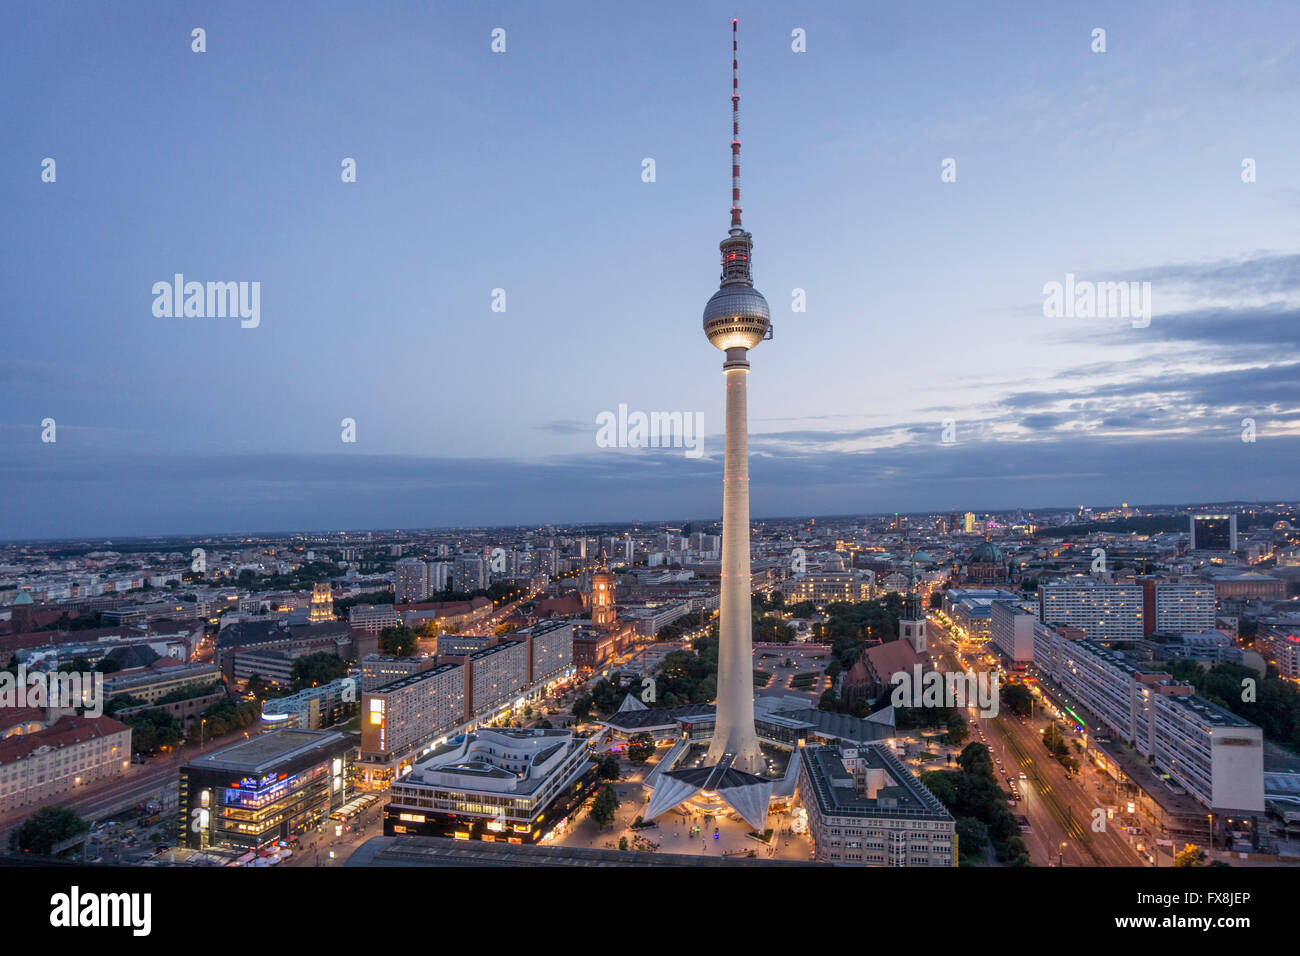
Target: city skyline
<point>376,295</point>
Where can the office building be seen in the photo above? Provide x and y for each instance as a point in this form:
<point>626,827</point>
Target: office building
<point>156,681</point>
<point>1178,607</point>
<point>865,808</point>
<point>1103,611</point>
<point>469,572</point>
<point>373,617</point>
<point>378,669</point>
<point>1238,585</point>
<point>265,789</point>
<point>1206,750</point>
<point>410,713</point>
<point>1212,532</point>
<point>1280,646</point>
<point>1011,631</point>
<point>829,587</point>
<point>410,581</point>
<point>313,708</point>
<point>512,786</point>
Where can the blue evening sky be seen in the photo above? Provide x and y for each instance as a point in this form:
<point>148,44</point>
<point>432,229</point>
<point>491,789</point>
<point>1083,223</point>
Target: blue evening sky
<point>522,171</point>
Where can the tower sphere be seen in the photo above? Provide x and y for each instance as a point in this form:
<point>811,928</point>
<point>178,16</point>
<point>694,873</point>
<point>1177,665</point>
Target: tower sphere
<point>736,317</point>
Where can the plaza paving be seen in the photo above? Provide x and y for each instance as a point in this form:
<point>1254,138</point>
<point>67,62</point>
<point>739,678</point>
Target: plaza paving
<point>673,832</point>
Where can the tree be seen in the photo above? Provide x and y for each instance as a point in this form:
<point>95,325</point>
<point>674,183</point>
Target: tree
<point>829,700</point>
<point>48,827</point>
<point>1017,698</point>
<point>640,747</point>
<point>1013,852</point>
<point>1054,741</point>
<point>315,670</point>
<point>1190,855</point>
<point>257,686</point>
<point>606,695</point>
<point>975,760</point>
<point>604,807</point>
<point>153,729</point>
<point>398,641</point>
<point>224,717</point>
<point>936,600</point>
<point>957,730</point>
<point>581,707</point>
<point>607,767</point>
<point>972,838</point>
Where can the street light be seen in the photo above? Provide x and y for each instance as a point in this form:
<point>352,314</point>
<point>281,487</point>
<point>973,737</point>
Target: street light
<point>1060,854</point>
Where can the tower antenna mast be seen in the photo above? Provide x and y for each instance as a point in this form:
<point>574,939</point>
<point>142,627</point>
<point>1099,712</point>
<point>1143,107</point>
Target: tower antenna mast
<point>735,128</point>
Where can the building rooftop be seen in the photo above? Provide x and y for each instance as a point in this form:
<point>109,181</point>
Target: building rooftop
<point>259,754</point>
<point>62,733</point>
<point>406,681</point>
<point>836,796</point>
<point>1209,713</point>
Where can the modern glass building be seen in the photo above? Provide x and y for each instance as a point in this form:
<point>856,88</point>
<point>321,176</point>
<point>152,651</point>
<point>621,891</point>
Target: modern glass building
<point>266,789</point>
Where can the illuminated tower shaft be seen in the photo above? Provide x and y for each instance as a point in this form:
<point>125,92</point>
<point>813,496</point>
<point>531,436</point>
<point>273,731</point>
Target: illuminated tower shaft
<point>734,731</point>
<point>735,320</point>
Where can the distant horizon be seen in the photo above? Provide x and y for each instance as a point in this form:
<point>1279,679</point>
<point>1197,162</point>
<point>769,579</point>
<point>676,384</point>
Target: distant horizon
<point>570,525</point>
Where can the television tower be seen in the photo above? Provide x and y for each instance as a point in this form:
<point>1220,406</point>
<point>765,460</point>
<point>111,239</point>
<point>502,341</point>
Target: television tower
<point>735,320</point>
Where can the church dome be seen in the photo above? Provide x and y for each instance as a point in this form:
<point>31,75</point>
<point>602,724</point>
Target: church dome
<point>986,553</point>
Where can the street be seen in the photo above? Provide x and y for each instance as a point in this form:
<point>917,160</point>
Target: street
<point>1059,806</point>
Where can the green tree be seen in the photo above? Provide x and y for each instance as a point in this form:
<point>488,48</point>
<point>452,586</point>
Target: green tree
<point>398,641</point>
<point>975,760</point>
<point>581,707</point>
<point>604,807</point>
<point>1016,698</point>
<point>957,730</point>
<point>316,670</point>
<point>607,767</point>
<point>153,729</point>
<point>640,747</point>
<point>46,828</point>
<point>972,839</point>
<point>257,686</point>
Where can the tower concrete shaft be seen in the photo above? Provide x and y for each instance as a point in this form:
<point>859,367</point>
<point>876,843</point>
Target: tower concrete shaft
<point>734,731</point>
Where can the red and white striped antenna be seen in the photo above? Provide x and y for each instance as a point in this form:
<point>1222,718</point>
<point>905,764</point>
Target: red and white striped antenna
<point>735,128</point>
